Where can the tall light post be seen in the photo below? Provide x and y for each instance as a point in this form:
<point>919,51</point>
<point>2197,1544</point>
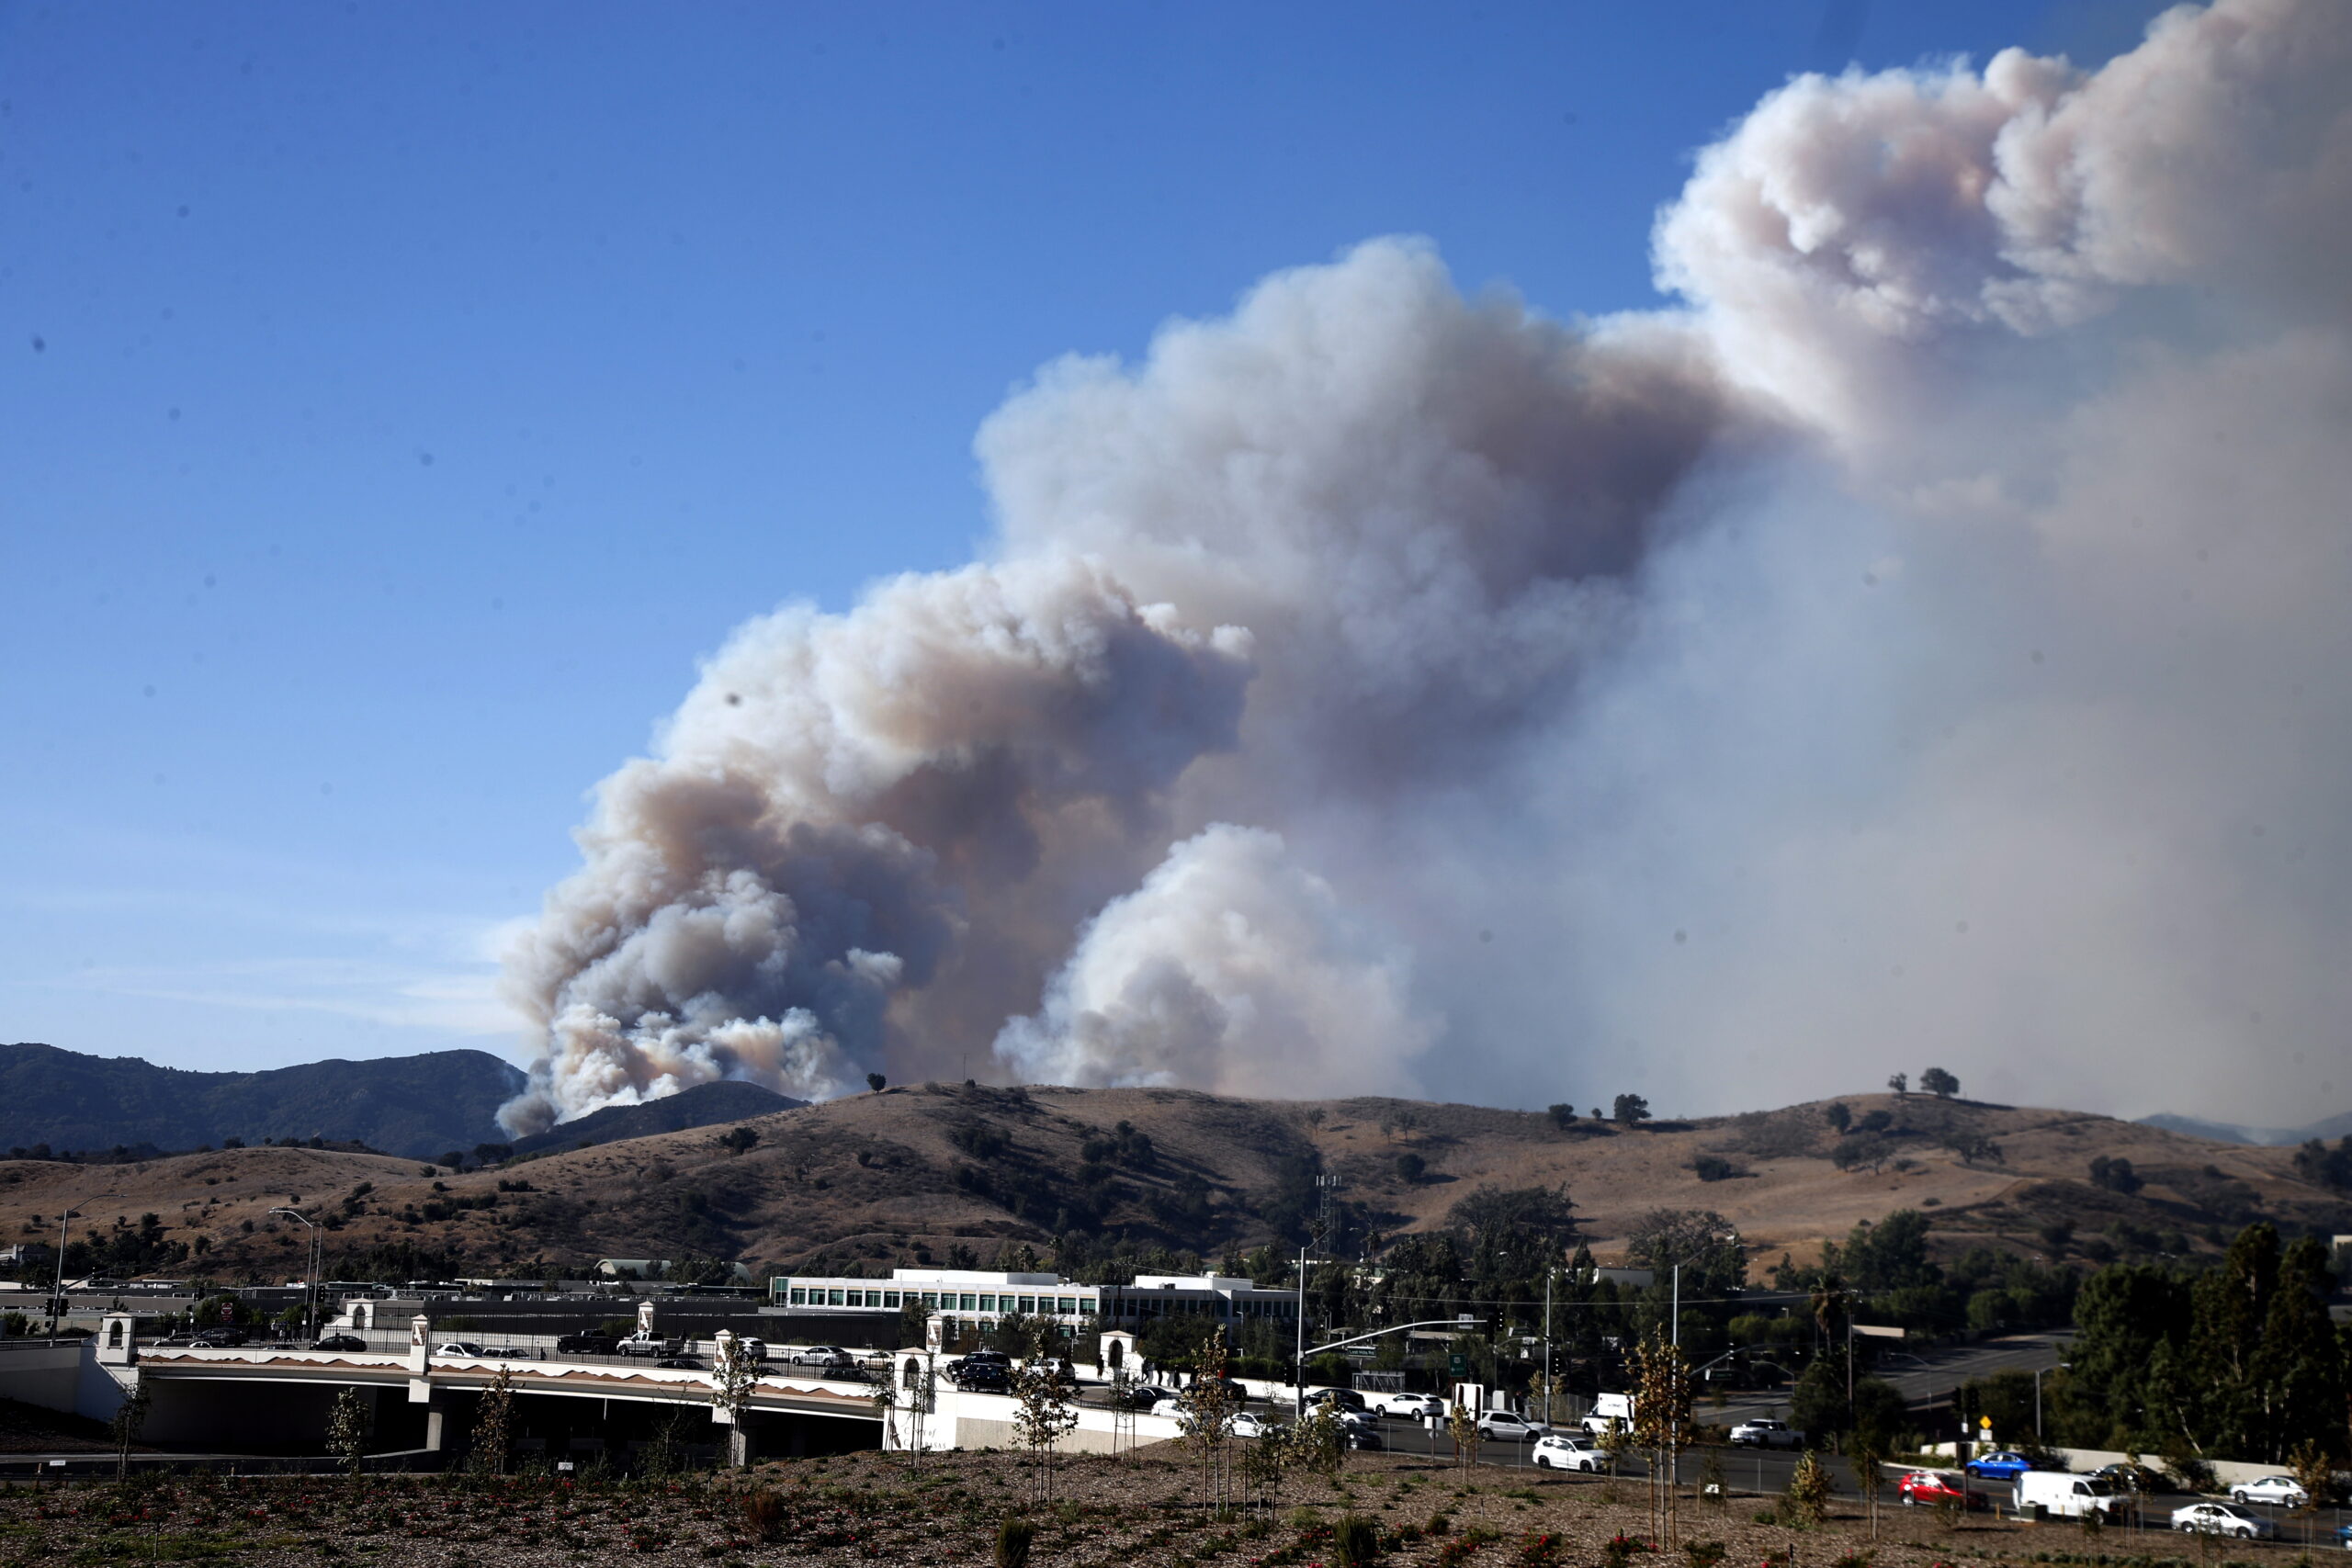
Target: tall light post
<point>310,1272</point>
<point>65,1222</point>
<point>1549,1270</point>
<point>1298,1361</point>
<point>2037,1396</point>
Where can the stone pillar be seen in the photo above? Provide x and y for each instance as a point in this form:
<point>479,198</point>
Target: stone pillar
<point>1119,1354</point>
<point>436,1425</point>
<point>645,1317</point>
<point>420,1345</point>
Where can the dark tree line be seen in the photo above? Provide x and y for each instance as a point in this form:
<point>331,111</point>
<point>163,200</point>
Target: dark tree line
<point>2238,1362</point>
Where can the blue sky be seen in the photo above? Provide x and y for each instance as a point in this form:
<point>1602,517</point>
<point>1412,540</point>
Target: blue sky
<point>396,401</point>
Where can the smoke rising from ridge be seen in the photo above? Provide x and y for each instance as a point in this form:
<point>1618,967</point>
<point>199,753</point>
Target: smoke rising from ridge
<point>1918,647</point>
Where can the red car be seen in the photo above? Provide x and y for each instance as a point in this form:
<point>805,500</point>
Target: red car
<point>1926,1488</point>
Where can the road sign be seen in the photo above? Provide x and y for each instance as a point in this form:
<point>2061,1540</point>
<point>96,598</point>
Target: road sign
<point>1459,1365</point>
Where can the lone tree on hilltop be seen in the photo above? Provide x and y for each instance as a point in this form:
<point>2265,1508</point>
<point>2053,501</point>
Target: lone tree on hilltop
<point>1631,1110</point>
<point>877,1082</point>
<point>1900,1083</point>
<point>1939,1083</point>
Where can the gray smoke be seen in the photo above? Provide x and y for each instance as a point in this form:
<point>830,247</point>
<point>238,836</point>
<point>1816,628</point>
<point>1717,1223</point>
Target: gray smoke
<point>1916,647</point>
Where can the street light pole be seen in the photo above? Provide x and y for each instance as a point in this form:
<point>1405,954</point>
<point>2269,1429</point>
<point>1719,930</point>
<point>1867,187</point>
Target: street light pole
<point>1298,1361</point>
<point>310,1272</point>
<point>65,1222</point>
<point>1549,1271</point>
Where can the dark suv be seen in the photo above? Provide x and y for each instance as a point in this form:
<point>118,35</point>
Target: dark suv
<point>976,1376</point>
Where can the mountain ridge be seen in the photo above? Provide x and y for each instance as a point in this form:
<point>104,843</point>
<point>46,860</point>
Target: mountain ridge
<point>2257,1137</point>
<point>417,1106</point>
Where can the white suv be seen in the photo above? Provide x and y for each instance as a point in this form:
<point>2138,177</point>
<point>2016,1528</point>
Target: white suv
<point>1502,1425</point>
<point>1562,1451</point>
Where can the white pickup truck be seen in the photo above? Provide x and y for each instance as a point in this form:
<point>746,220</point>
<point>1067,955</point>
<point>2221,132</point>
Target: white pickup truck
<point>643,1344</point>
<point>1765,1434</point>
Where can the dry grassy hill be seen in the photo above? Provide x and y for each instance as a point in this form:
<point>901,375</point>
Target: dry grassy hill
<point>889,1177</point>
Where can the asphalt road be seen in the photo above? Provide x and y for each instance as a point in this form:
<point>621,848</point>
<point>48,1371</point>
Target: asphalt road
<point>1921,1380</point>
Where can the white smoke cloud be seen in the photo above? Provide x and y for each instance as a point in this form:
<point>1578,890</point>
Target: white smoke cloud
<point>1917,645</point>
<point>1230,969</point>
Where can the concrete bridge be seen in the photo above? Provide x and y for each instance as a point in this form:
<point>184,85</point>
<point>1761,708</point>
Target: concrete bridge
<point>277,1399</point>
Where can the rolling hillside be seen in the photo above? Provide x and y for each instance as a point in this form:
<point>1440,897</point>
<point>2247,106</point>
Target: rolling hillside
<point>909,1173</point>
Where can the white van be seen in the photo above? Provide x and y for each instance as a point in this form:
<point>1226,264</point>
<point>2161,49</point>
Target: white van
<point>1611,1415</point>
<point>2063,1496</point>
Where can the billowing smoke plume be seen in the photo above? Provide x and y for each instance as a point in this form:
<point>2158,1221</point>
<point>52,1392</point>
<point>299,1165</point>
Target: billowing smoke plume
<point>1921,647</point>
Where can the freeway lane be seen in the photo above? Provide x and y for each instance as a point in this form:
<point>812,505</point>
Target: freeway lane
<point>1921,1380</point>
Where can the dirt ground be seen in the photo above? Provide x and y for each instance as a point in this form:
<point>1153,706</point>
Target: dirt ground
<point>1146,1508</point>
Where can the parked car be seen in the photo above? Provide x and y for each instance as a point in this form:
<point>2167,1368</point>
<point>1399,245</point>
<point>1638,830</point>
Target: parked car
<point>682,1363</point>
<point>2344,1534</point>
<point>2006,1465</point>
<point>643,1344</point>
<point>221,1339</point>
<point>338,1342</point>
<point>1501,1425</point>
<point>2280,1491</point>
<point>1765,1434</point>
<point>1926,1488</point>
<point>2125,1476</point>
<point>587,1344</point>
<point>2223,1518</point>
<point>1562,1450</point>
<point>1407,1406</point>
<point>835,1355</point>
<point>459,1347</point>
<point>751,1348</point>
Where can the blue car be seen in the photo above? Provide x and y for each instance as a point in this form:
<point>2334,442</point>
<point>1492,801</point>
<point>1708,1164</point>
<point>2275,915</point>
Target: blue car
<point>2343,1536</point>
<point>2006,1465</point>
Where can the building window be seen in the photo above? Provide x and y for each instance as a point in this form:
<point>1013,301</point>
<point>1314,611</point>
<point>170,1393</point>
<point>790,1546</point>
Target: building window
<point>890,1298</point>
<point>857,1298</point>
<point>1069,1304</point>
<point>799,1298</point>
<point>833,1298</point>
<point>969,1303</point>
<point>931,1298</point>
<point>988,1303</point>
<point>1028,1304</point>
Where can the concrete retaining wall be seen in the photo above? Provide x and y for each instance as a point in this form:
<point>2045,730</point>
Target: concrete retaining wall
<point>44,1374</point>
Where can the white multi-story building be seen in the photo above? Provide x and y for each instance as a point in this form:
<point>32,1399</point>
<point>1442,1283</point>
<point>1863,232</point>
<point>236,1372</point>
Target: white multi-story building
<point>987,1294</point>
